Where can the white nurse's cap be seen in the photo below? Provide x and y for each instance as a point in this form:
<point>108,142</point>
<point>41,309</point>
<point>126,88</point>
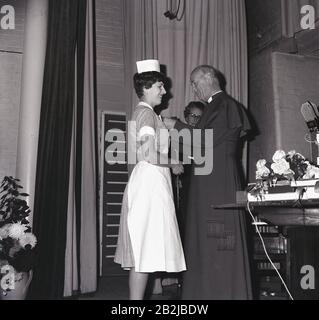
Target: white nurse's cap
<point>148,65</point>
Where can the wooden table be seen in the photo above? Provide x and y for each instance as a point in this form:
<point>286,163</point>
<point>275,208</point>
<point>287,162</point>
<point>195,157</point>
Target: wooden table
<point>282,213</point>
<point>300,221</point>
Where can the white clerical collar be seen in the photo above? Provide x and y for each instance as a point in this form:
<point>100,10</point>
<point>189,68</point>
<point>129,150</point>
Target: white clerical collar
<point>211,98</point>
<point>144,104</point>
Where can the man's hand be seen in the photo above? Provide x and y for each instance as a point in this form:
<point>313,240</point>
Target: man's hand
<point>169,123</point>
<point>177,169</point>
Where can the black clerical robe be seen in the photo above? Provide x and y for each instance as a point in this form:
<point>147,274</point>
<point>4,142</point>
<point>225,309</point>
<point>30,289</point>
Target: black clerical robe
<point>215,240</point>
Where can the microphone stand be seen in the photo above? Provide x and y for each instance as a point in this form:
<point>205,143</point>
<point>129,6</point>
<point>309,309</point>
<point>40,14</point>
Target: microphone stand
<point>310,112</point>
<point>314,135</point>
<point>315,155</point>
<point>317,144</point>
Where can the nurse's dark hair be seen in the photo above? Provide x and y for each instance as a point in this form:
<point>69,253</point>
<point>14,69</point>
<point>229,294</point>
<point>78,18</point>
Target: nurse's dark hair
<point>146,80</point>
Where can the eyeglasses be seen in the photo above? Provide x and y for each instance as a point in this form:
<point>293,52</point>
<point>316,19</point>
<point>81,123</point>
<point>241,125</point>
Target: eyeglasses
<point>195,81</point>
<point>193,115</point>
<point>194,84</point>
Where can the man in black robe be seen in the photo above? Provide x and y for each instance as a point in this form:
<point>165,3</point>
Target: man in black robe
<point>215,240</point>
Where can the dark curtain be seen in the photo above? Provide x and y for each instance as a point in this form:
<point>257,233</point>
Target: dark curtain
<point>80,63</point>
<point>53,163</point>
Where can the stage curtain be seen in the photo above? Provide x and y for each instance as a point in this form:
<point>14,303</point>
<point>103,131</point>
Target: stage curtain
<point>81,250</point>
<point>54,149</point>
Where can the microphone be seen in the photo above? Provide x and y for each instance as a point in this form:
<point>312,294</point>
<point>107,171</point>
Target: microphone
<point>310,113</point>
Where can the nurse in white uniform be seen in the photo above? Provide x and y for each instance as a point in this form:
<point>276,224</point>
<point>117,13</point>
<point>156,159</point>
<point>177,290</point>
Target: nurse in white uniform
<point>149,239</point>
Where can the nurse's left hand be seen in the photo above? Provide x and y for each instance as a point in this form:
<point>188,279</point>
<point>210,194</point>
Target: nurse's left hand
<point>169,123</point>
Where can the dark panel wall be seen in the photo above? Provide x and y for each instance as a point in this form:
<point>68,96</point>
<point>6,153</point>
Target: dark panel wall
<point>264,23</point>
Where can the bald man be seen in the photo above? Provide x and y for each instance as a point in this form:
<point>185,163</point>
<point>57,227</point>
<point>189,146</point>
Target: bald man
<point>215,240</point>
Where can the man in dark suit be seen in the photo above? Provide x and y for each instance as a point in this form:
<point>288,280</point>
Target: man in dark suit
<point>215,240</point>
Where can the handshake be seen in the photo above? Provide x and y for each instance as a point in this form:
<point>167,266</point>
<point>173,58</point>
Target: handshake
<point>170,122</point>
<point>178,168</point>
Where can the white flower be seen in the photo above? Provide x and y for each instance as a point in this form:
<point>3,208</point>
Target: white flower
<point>17,230</point>
<point>261,163</point>
<point>262,170</point>
<point>279,155</point>
<point>3,263</point>
<point>262,173</point>
<point>312,172</point>
<point>28,238</point>
<point>4,231</point>
<point>281,167</point>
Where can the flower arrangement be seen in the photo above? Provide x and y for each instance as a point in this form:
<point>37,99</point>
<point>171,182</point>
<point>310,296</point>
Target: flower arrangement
<point>289,166</point>
<point>17,242</point>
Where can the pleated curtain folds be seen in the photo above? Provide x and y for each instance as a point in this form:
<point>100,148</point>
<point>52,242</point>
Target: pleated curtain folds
<point>67,110</point>
<point>210,32</point>
<point>81,268</point>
